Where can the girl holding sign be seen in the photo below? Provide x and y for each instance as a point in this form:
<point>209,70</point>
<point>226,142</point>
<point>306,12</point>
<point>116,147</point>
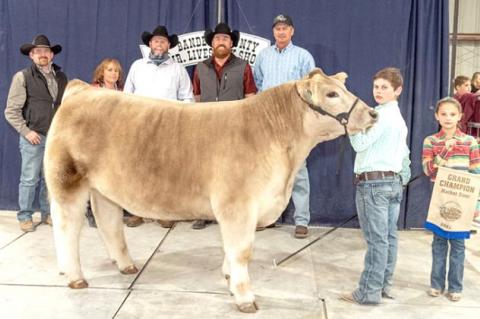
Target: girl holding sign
<point>453,149</point>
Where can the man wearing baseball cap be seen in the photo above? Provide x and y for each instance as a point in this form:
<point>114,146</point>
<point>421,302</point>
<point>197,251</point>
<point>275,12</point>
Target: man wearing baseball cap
<point>35,94</point>
<point>277,64</point>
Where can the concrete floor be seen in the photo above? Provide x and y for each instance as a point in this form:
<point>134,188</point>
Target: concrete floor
<point>181,276</point>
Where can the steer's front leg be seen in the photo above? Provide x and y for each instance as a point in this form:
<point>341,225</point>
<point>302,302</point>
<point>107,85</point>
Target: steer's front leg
<point>237,243</point>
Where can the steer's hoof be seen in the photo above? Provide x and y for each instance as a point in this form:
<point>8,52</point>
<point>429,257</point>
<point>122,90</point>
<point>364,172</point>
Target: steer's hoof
<point>129,270</point>
<point>78,284</point>
<point>249,307</point>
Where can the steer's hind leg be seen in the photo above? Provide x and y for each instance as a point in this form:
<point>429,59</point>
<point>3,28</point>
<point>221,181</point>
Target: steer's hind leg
<point>238,232</point>
<point>67,220</point>
<point>108,216</point>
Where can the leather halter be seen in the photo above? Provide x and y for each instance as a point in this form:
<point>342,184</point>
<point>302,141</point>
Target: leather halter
<point>342,118</point>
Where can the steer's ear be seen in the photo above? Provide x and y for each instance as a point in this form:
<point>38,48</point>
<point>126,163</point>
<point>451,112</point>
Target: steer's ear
<point>342,76</point>
<point>303,88</point>
<point>314,72</point>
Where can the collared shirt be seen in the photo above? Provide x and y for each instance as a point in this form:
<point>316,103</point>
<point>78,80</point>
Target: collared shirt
<point>274,66</point>
<point>50,77</point>
<point>17,96</point>
<point>384,146</point>
<point>169,80</point>
<point>464,156</point>
<point>248,81</point>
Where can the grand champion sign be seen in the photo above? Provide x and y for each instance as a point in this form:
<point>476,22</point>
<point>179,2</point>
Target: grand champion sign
<point>454,198</point>
<point>192,48</point>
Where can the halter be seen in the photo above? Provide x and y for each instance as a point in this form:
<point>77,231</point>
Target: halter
<point>342,118</point>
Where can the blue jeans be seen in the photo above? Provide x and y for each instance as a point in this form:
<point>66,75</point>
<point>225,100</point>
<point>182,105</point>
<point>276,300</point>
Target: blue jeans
<point>301,197</point>
<point>455,263</point>
<point>31,176</point>
<point>378,207</point>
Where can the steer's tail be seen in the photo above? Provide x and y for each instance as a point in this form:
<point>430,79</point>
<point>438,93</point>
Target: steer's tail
<point>73,87</point>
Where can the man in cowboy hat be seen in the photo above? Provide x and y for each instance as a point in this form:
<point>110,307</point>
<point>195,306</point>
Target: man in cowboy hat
<point>158,76</point>
<point>223,77</point>
<point>277,64</point>
<point>34,96</point>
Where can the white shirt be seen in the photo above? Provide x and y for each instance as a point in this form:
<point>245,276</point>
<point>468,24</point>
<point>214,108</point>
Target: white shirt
<point>169,80</point>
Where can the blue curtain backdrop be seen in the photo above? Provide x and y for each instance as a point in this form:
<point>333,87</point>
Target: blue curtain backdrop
<point>359,37</point>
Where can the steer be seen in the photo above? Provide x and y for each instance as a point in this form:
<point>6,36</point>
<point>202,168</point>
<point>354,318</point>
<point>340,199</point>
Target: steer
<point>230,161</point>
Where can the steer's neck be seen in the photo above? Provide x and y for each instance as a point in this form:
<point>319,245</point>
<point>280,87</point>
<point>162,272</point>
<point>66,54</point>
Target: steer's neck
<point>279,114</point>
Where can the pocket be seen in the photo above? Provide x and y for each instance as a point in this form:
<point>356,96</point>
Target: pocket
<point>382,193</point>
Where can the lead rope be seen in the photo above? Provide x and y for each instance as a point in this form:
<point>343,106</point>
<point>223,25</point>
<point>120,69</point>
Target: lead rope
<point>276,264</point>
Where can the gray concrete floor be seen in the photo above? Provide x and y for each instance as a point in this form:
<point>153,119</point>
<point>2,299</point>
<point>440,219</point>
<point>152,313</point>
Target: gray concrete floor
<point>181,276</point>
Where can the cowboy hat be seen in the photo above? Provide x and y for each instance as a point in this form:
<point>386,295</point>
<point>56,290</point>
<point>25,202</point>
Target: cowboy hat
<point>222,28</point>
<point>40,41</point>
<point>160,31</point>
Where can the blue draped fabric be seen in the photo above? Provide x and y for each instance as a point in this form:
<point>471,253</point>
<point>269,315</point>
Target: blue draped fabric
<point>359,37</point>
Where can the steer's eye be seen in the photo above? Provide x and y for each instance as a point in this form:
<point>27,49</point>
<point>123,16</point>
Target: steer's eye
<point>332,94</point>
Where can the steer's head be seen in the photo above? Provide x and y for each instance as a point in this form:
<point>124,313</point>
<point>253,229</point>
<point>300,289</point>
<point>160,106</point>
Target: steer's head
<point>332,108</point>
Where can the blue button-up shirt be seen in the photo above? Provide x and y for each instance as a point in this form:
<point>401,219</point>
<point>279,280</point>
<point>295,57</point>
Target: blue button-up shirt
<point>274,67</point>
<point>384,146</point>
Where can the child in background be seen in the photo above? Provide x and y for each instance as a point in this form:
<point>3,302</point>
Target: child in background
<point>470,106</point>
<point>476,83</point>
<point>454,149</point>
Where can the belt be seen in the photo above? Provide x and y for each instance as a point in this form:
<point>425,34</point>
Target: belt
<point>367,176</point>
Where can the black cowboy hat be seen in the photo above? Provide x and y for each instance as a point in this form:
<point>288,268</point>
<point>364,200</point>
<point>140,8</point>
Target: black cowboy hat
<point>160,31</point>
<point>40,41</point>
<point>222,28</point>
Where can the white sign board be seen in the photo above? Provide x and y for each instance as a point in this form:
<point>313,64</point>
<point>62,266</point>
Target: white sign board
<point>192,48</point>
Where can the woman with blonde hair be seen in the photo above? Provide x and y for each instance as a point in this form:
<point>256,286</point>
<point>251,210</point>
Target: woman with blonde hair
<point>108,74</point>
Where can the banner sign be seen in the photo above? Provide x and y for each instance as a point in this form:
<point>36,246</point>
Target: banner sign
<point>192,48</point>
<point>454,199</point>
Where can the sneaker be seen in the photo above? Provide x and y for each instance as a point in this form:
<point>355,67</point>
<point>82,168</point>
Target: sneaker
<point>301,231</point>
<point>165,223</point>
<point>199,224</point>
<point>435,292</point>
<point>133,221</point>
<point>454,296</point>
<point>47,220</point>
<point>27,226</point>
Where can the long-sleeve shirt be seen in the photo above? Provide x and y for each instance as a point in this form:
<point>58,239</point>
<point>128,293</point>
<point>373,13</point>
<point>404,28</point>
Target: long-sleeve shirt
<point>464,155</point>
<point>471,112</point>
<point>274,67</point>
<point>17,97</point>
<point>247,77</point>
<point>168,80</point>
<point>384,146</point>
